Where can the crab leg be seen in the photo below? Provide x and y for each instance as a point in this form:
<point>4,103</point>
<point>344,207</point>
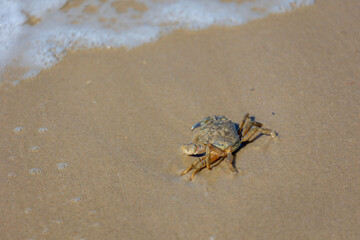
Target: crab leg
<point>265,131</point>
<point>196,162</point>
<point>229,161</point>
<point>207,157</point>
<point>246,129</point>
<point>249,134</point>
<point>198,169</point>
<point>248,125</point>
<point>243,123</point>
<point>199,164</point>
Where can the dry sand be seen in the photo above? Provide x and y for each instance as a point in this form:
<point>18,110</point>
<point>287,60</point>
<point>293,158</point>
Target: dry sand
<point>109,157</point>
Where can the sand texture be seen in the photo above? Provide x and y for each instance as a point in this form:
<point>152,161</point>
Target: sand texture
<point>90,149</point>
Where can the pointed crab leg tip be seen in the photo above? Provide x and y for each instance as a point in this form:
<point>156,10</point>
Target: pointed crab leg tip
<point>198,124</point>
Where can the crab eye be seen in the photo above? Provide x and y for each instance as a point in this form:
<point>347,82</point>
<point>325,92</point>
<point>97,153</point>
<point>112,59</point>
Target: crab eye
<point>206,120</point>
<point>221,118</point>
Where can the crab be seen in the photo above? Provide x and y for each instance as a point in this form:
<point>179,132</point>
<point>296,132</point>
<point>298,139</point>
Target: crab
<point>218,139</point>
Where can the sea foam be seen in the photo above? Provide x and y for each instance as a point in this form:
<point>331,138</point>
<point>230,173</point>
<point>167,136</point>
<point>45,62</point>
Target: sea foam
<point>35,35</point>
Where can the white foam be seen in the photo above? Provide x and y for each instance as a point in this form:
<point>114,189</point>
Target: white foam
<point>35,47</point>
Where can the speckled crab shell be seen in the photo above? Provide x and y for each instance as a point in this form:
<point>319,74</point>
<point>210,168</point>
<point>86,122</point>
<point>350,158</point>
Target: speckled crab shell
<point>220,132</point>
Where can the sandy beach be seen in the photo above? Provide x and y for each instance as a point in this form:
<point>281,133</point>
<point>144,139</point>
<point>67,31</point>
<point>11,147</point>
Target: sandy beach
<point>90,148</point>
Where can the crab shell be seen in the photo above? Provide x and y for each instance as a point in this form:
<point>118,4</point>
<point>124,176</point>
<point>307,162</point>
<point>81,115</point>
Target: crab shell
<point>219,132</point>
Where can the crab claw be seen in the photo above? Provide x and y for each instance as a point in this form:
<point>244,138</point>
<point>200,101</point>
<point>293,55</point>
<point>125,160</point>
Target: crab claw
<point>196,125</point>
<point>193,149</point>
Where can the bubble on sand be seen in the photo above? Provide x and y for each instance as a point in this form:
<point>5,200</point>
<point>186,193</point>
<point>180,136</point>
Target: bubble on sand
<point>76,200</point>
<point>35,171</point>
<point>58,221</point>
<point>62,165</point>
<point>43,130</point>
<point>18,130</point>
<point>35,148</point>
<point>28,210</point>
<point>92,212</point>
<point>12,174</point>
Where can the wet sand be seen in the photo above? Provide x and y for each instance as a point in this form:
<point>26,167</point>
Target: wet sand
<point>90,149</point>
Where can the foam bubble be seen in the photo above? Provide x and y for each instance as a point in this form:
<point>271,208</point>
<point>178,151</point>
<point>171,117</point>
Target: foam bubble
<point>92,212</point>
<point>37,34</point>
<point>35,171</point>
<point>18,130</point>
<point>12,174</point>
<point>28,210</point>
<point>59,221</point>
<point>76,200</point>
<point>43,130</point>
<point>35,148</point>
<point>62,165</point>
